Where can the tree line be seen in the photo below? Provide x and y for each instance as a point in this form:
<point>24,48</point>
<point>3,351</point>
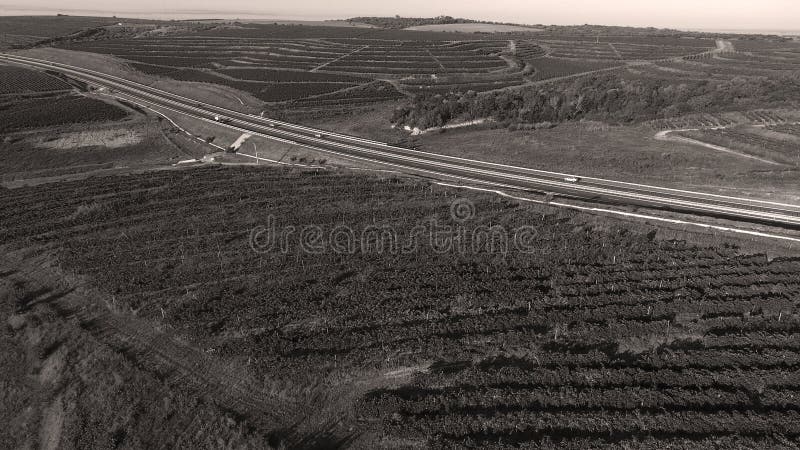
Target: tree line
<point>399,23</point>
<point>605,97</point>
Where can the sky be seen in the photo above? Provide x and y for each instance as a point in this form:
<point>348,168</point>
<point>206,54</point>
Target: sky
<point>684,14</point>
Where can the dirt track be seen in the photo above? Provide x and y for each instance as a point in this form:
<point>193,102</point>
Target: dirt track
<point>665,136</point>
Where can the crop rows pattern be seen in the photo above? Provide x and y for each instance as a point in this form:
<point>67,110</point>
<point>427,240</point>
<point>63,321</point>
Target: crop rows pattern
<point>725,68</point>
<point>555,68</point>
<point>602,336</point>
<point>602,50</point>
<point>16,80</point>
<point>24,114</point>
<point>691,121</point>
<point>278,68</point>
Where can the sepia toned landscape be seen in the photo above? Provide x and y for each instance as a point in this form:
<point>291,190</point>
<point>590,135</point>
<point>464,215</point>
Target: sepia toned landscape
<point>390,232</point>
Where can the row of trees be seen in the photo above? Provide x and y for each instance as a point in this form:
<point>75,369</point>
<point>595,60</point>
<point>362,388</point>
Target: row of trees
<point>398,23</point>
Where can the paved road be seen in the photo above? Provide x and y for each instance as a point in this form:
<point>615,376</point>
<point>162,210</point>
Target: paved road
<point>430,164</point>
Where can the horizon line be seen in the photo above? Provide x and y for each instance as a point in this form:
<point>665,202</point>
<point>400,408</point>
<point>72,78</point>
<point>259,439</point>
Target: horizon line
<point>8,11</point>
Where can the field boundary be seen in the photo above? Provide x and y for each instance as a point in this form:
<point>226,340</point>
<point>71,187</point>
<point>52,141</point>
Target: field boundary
<point>338,59</point>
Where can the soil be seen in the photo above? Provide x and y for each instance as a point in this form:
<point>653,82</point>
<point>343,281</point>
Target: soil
<point>109,138</point>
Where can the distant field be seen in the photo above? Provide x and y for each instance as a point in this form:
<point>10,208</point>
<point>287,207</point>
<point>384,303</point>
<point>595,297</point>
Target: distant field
<point>553,68</point>
<point>289,63</point>
<point>23,31</point>
<point>624,50</point>
<point>278,70</point>
<point>325,68</point>
<point>50,26</point>
<point>474,28</point>
<point>287,31</point>
<point>26,30</point>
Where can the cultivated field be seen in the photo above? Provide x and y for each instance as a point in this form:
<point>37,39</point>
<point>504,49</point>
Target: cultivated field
<point>281,63</point>
<point>642,341</point>
<point>16,80</point>
<point>276,70</point>
<point>45,112</point>
<point>293,66</point>
<point>32,99</point>
<point>50,27</point>
<point>21,31</point>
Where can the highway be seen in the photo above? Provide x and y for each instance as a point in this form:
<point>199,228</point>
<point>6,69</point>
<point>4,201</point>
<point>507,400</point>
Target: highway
<point>438,166</point>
